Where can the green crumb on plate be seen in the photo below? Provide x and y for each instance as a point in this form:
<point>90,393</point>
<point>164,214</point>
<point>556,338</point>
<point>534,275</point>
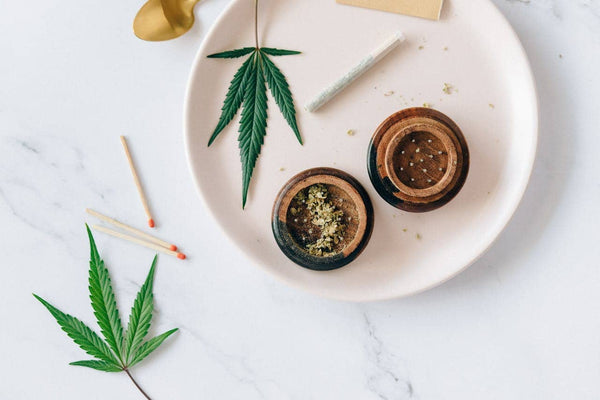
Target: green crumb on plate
<point>350,132</point>
<point>448,88</point>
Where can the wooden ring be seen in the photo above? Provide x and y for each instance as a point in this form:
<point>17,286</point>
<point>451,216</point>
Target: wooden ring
<point>347,194</point>
<point>418,159</point>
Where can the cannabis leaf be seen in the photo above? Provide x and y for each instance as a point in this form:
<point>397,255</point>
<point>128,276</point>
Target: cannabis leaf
<point>118,351</point>
<point>248,91</point>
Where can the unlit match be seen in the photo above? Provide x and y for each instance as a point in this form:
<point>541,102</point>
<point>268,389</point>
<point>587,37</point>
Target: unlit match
<point>138,241</point>
<point>369,61</point>
<point>131,229</point>
<point>138,184</point>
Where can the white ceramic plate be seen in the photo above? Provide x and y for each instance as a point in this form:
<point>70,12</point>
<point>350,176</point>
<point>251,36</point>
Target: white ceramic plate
<point>472,48</point>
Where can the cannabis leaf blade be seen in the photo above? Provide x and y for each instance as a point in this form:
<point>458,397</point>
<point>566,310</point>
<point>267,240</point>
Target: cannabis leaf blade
<point>151,345</point>
<point>281,92</point>
<point>234,97</point>
<point>87,339</point>
<point>103,300</point>
<point>253,123</point>
<point>140,317</point>
<point>99,365</point>
<point>233,53</point>
<point>278,52</point>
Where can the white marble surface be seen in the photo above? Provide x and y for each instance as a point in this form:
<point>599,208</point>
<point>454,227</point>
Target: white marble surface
<point>522,323</point>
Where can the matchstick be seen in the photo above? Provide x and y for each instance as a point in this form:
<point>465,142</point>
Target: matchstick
<point>137,182</point>
<point>131,229</point>
<point>331,91</point>
<point>141,242</point>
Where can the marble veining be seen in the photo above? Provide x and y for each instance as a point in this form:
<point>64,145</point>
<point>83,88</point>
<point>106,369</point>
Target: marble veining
<point>586,12</point>
<point>384,376</point>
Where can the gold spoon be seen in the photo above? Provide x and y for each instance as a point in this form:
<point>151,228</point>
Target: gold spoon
<point>164,19</point>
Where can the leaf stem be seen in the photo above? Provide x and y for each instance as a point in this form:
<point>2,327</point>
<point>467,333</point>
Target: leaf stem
<point>256,22</point>
<point>136,384</point>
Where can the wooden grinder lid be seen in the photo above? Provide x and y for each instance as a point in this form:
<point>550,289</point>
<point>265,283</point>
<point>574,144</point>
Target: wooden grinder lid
<point>418,159</point>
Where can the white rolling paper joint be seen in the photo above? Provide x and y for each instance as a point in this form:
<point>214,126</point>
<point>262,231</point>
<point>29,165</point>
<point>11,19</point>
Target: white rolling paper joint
<point>363,66</point>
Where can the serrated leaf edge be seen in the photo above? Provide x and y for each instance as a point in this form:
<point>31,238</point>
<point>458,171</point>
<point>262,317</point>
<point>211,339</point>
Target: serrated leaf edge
<point>253,124</point>
<point>140,317</point>
<point>272,51</point>
<point>281,93</point>
<point>88,340</point>
<point>149,346</point>
<point>233,53</point>
<point>234,97</point>
<point>97,365</point>
<point>103,300</point>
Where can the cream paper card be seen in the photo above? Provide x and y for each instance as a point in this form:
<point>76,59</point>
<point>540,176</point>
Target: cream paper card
<point>430,9</point>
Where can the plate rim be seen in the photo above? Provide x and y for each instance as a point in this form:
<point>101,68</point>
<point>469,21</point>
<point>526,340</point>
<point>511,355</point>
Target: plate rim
<point>509,213</point>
